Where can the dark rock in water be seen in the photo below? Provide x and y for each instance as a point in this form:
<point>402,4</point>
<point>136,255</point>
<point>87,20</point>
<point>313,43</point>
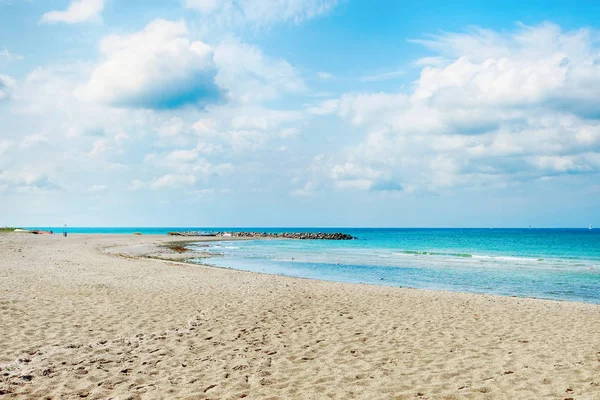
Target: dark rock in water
<point>291,235</point>
<point>191,233</point>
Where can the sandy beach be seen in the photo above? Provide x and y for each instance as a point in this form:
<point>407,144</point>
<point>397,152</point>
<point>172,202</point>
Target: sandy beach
<point>89,316</point>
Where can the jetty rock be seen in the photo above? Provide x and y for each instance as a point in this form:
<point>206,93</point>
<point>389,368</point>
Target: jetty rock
<point>291,235</point>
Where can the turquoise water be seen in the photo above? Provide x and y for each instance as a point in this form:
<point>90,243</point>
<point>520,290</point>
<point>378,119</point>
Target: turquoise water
<point>560,264</point>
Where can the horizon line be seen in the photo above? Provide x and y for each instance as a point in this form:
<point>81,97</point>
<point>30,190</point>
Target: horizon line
<point>304,227</point>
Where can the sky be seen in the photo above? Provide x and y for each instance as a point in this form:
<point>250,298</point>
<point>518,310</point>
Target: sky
<point>344,113</point>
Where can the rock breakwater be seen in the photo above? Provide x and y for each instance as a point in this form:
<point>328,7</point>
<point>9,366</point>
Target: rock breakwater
<point>282,235</point>
<point>290,235</point>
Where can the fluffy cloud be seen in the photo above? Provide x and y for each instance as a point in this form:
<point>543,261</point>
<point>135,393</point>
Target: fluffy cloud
<point>250,76</point>
<point>97,188</point>
<point>186,170</point>
<point>33,140</point>
<point>156,68</point>
<point>187,162</point>
<point>242,131</point>
<point>7,85</point>
<point>167,181</point>
<point>78,11</point>
<point>4,146</point>
<point>325,76</point>
<point>489,109</point>
<point>172,181</point>
<point>7,57</point>
<point>99,148</point>
<point>262,119</point>
<point>352,176</point>
<point>24,180</point>
<point>202,6</point>
<point>259,13</point>
<point>383,76</point>
<point>326,107</point>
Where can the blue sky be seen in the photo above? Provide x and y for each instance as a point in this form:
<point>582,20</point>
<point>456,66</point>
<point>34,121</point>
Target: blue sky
<point>299,113</point>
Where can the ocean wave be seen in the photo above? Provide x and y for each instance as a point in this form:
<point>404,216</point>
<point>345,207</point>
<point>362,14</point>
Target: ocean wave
<point>385,257</point>
<point>431,253</point>
<point>570,261</point>
<point>509,258</point>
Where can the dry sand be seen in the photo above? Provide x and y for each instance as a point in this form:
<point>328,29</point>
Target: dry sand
<point>78,322</point>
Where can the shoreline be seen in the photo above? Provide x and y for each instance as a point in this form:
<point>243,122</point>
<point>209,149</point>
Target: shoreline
<point>162,241</point>
<point>181,257</point>
<point>81,321</point>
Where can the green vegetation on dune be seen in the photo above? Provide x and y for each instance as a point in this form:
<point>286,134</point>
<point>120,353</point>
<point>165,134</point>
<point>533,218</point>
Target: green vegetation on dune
<point>7,229</point>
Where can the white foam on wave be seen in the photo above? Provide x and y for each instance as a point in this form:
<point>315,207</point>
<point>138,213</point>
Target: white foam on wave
<point>506,258</point>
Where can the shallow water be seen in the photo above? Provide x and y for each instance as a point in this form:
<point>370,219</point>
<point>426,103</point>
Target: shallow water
<point>561,264</point>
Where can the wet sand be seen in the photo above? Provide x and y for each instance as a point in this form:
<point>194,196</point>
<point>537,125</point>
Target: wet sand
<point>89,317</point>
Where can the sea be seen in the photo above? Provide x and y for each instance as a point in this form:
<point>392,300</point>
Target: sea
<point>558,264</point>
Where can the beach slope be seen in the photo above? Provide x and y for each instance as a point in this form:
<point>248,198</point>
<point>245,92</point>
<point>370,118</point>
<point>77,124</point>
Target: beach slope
<point>89,317</point>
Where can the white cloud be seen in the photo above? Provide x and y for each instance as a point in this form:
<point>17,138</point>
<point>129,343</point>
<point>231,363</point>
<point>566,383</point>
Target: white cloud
<point>99,148</point>
<point>324,76</point>
<point>187,171</point>
<point>352,176</point>
<point>4,146</point>
<point>173,127</point>
<point>249,76</point>
<point>137,184</point>
<point>259,13</point>
<point>182,156</point>
<point>121,138</point>
<point>172,181</point>
<point>262,119</point>
<point>24,180</point>
<point>232,141</point>
<point>187,162</point>
<point>245,140</point>
<point>78,11</point>
<point>7,57</point>
<point>7,85</point>
<point>579,163</point>
<point>202,6</point>
<point>382,76</point>
<point>204,125</point>
<point>326,107</point>
<point>97,188</point>
<point>289,133</point>
<point>46,98</point>
<point>307,190</point>
<point>234,130</point>
<point>488,109</point>
<point>157,68</point>
<point>311,177</point>
<point>431,61</point>
<point>370,108</point>
<point>168,181</point>
<point>33,140</point>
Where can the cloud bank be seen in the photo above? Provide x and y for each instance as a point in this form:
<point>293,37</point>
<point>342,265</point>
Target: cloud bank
<point>493,110</point>
<point>7,85</point>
